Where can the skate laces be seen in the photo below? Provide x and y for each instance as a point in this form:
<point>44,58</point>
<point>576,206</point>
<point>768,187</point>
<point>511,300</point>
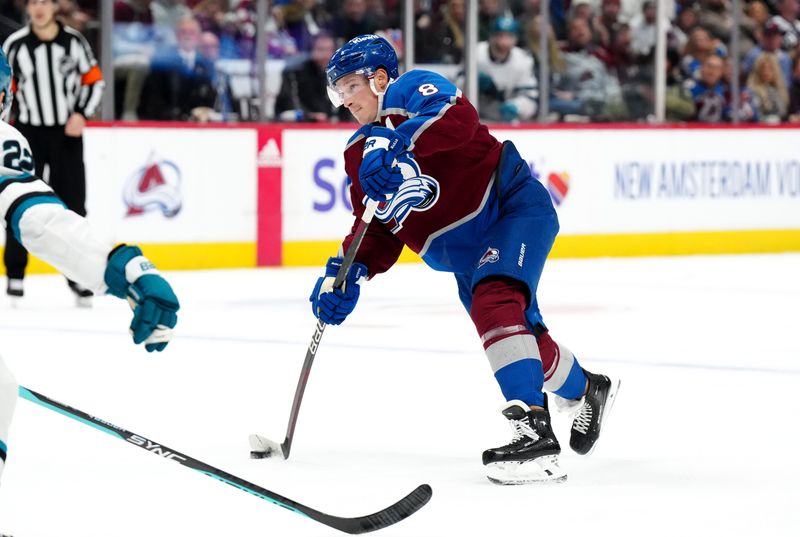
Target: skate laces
<point>522,429</point>
<point>583,419</point>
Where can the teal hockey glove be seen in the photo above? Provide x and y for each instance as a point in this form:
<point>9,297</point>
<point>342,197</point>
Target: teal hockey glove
<point>129,275</point>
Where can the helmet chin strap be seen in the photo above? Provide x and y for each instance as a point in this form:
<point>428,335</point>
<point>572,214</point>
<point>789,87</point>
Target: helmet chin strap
<point>379,94</point>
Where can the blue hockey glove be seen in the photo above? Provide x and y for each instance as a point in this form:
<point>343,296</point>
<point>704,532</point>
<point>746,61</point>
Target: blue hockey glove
<point>378,176</point>
<point>332,306</point>
<point>509,111</point>
<point>129,275</point>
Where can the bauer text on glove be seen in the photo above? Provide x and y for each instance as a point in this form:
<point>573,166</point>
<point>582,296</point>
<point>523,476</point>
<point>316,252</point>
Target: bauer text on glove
<point>130,275</point>
<point>378,175</point>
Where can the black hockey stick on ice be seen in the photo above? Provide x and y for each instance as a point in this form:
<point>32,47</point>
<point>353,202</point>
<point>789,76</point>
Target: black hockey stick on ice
<point>260,447</point>
<point>383,518</point>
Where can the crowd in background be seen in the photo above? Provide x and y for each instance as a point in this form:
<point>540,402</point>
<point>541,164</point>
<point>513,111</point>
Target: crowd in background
<point>186,59</point>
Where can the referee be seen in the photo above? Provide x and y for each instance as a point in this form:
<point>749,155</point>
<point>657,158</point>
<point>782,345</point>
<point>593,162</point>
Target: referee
<point>57,85</point>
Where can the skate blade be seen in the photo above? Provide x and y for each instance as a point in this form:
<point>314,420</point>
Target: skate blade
<point>612,397</point>
<point>544,470</point>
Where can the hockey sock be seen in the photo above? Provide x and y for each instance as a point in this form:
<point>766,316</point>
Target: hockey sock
<point>498,311</point>
<point>563,375</point>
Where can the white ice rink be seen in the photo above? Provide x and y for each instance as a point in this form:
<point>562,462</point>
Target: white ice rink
<point>703,440</point>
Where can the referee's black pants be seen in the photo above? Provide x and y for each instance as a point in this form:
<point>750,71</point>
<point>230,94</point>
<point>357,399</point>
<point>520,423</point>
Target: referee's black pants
<point>67,177</point>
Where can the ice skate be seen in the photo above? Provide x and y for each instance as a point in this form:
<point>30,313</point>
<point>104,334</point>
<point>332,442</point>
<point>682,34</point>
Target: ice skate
<point>83,296</point>
<point>590,412</point>
<point>532,455</point>
<point>15,291</point>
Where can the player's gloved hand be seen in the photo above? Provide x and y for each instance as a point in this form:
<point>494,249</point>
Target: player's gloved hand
<point>509,111</point>
<point>486,84</point>
<point>378,175</point>
<point>129,275</point>
<point>332,306</point>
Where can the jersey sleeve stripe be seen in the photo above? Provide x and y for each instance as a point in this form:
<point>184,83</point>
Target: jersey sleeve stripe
<point>8,180</point>
<point>14,190</point>
<point>25,202</point>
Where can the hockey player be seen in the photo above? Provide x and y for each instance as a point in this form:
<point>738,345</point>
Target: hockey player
<point>41,222</point>
<point>467,204</point>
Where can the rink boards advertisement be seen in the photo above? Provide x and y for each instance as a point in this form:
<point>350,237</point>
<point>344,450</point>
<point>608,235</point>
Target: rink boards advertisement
<point>247,195</point>
<point>634,191</point>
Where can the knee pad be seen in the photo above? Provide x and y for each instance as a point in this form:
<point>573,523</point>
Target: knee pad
<point>498,311</point>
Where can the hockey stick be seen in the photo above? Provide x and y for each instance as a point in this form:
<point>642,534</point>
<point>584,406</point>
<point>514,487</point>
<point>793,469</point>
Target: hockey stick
<point>383,518</point>
<point>260,447</point>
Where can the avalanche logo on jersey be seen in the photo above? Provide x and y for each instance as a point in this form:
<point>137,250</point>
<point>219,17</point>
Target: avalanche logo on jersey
<point>492,255</point>
<point>418,192</point>
<point>155,186</point>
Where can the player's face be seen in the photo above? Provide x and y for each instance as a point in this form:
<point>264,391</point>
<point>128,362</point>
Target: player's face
<point>356,96</point>
<point>41,12</point>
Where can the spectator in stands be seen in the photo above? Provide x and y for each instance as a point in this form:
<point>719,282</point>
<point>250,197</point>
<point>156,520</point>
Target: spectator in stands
<point>700,46</point>
<point>180,84</point>
<point>304,20</point>
<point>643,30</point>
<point>585,85</point>
<point>488,11</point>
<point>533,42</point>
<point>169,12</point>
<point>428,33</point>
<point>758,11</point>
<point>794,93</point>
<point>769,89</point>
<point>786,19</point>
<point>210,48</point>
<point>71,14</point>
<point>608,23</point>
<point>453,27</point>
<point>679,105</point>
<point>303,95</point>
<point>582,9</point>
<point>133,11</point>
<point>353,20</point>
<point>678,33</point>
<point>771,39</point>
<point>210,14</point>
<point>506,82</point>
<point>709,92</point>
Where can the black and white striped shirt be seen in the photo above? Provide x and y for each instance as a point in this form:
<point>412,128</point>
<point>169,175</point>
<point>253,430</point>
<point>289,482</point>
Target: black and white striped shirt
<point>53,79</point>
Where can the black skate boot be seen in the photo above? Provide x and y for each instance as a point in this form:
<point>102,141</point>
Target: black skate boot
<point>532,455</point>
<point>590,412</point>
<point>83,296</point>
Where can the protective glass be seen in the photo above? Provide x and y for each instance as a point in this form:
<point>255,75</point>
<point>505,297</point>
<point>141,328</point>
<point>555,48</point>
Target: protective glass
<point>345,88</point>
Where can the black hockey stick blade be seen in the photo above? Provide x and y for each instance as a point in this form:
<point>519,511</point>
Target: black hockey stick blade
<point>364,524</point>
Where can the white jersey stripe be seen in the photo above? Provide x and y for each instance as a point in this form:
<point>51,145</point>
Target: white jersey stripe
<point>45,93</point>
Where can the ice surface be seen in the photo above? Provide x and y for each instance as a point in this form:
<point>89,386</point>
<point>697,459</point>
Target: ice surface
<point>702,441</point>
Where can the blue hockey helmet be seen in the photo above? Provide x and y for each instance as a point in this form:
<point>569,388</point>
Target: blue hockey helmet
<point>363,55</point>
<point>5,82</point>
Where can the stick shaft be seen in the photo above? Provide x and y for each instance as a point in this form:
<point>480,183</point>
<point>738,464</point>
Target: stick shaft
<point>381,519</point>
<point>319,329</point>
